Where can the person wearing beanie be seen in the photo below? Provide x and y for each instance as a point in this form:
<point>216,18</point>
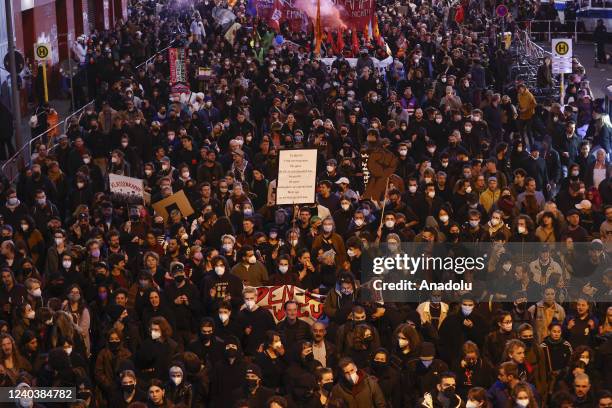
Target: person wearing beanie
<point>252,389</point>
<point>227,376</point>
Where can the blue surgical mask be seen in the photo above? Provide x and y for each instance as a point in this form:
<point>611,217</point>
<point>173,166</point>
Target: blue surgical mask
<point>426,363</point>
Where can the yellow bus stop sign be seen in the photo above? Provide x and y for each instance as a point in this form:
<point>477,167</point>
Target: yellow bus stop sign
<point>562,48</point>
<point>42,51</point>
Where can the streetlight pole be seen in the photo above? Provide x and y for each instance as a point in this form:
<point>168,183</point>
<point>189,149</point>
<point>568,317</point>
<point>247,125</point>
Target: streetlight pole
<point>8,8</point>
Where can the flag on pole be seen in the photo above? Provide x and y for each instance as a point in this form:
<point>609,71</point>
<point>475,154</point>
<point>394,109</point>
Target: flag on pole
<point>377,36</point>
<point>355,45</point>
<point>318,30</point>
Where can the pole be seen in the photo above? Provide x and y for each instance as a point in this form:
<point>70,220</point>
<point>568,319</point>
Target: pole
<point>8,7</point>
<point>70,76</point>
<point>562,88</point>
<point>44,69</point>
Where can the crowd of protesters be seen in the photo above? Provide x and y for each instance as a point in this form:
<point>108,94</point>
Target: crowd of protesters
<point>134,309</point>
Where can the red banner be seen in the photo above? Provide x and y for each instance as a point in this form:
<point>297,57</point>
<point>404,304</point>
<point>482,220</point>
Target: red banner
<point>356,13</point>
<point>276,12</point>
<point>300,14</point>
<point>172,57</point>
<point>178,65</point>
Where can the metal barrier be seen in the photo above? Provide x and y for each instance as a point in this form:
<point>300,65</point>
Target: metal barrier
<point>10,169</point>
<point>549,23</point>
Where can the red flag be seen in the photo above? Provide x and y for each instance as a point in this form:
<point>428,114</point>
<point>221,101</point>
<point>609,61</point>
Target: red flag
<point>355,45</point>
<point>377,36</point>
<point>318,30</point>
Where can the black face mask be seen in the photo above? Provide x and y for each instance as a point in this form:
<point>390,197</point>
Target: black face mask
<point>449,392</point>
<point>205,337</point>
<point>308,357</point>
<point>328,386</point>
<point>251,384</point>
<point>379,366</point>
<point>231,353</point>
<point>179,278</point>
<point>528,342</point>
<point>113,346</point>
<point>128,389</point>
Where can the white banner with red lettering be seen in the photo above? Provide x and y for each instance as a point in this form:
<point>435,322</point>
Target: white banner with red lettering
<point>310,305</point>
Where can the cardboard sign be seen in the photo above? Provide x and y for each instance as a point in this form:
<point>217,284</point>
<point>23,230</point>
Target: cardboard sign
<point>273,298</point>
<point>177,201</point>
<point>126,189</point>
<point>297,176</point>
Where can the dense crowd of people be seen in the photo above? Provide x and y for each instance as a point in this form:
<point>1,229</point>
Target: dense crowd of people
<point>142,309</point>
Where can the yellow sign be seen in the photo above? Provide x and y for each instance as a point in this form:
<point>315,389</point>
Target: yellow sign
<point>42,52</point>
<point>562,48</point>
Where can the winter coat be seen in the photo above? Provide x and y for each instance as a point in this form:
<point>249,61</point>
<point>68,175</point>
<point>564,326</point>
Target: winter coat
<point>365,394</point>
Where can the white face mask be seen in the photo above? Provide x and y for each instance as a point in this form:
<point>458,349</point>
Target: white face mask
<point>438,120</point>
<point>283,268</point>
<point>428,180</point>
<point>330,169</point>
<point>507,266</point>
<point>31,315</point>
<point>59,241</point>
<point>36,292</point>
<point>354,378</point>
<point>345,207</point>
<point>474,223</point>
<point>294,242</point>
<point>328,228</point>
<point>403,152</point>
<point>155,334</point>
<point>412,189</point>
<point>471,404</point>
<point>521,229</point>
<point>431,194</point>
<point>68,350</point>
<point>585,360</point>
<point>467,310</point>
<point>359,222</point>
<point>403,343</point>
<point>389,224</point>
<point>468,189</point>
<point>494,222</point>
<point>522,402</point>
<point>219,270</point>
<point>80,185</point>
<point>252,259</point>
<point>177,379</point>
<point>444,218</point>
<point>86,160</point>
<point>277,345</point>
<point>228,247</point>
<point>507,327</point>
<point>250,304</point>
<point>66,264</point>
